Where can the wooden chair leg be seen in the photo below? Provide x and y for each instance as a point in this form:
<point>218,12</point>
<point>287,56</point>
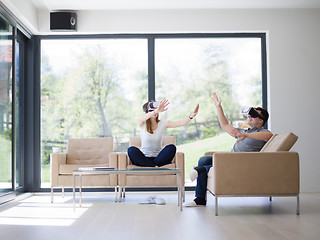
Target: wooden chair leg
<point>51,194</point>
<point>119,194</point>
<point>116,193</point>
<point>183,194</point>
<point>216,207</point>
<point>298,205</point>
<point>123,192</point>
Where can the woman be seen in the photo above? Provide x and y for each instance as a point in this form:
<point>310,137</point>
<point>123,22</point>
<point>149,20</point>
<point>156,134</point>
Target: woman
<point>152,129</point>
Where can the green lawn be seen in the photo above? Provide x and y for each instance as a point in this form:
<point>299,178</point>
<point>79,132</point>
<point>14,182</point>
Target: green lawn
<point>194,150</point>
<point>5,160</point>
<point>45,173</point>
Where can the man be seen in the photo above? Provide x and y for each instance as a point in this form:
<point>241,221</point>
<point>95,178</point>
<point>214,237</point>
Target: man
<point>248,140</point>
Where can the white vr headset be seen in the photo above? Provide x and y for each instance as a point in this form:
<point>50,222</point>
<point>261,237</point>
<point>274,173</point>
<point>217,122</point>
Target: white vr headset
<point>251,112</point>
<point>152,106</point>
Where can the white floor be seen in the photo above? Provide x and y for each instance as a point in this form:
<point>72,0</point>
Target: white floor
<point>101,218</point>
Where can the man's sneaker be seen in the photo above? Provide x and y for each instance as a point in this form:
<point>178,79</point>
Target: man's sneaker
<point>193,174</point>
<point>197,202</point>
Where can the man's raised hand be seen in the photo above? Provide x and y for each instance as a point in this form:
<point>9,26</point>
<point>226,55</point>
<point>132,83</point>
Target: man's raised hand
<point>215,99</point>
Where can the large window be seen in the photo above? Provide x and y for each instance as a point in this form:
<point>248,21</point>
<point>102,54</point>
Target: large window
<point>189,70</point>
<point>90,88</point>
<point>96,87</point>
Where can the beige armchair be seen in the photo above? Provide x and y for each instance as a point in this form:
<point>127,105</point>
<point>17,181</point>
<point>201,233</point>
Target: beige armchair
<point>85,152</point>
<point>274,171</point>
<point>154,180</point>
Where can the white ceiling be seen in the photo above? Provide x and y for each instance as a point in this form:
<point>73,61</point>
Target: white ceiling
<point>52,5</point>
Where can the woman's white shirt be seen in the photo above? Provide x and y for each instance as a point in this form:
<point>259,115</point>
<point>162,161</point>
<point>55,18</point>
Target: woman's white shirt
<point>151,143</point>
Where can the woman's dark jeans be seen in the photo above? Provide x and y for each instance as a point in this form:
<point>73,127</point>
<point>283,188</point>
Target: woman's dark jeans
<point>164,157</point>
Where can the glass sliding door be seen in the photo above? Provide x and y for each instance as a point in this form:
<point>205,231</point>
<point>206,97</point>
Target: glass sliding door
<point>6,65</point>
<point>11,110</point>
<point>18,107</point>
<point>189,70</point>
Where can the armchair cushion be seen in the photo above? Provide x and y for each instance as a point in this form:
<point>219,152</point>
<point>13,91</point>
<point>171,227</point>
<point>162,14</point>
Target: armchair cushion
<point>94,150</point>
<point>95,156</point>
<point>280,142</point>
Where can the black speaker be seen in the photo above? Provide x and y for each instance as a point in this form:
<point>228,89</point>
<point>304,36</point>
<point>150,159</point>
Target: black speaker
<point>63,21</point>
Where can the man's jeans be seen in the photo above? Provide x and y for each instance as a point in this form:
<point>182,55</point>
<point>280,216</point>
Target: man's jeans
<point>201,188</point>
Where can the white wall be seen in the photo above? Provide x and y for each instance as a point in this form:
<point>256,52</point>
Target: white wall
<point>25,11</point>
<point>293,61</point>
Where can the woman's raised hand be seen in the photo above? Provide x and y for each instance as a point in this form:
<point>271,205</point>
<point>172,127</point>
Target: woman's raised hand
<point>163,106</point>
<point>195,112</point>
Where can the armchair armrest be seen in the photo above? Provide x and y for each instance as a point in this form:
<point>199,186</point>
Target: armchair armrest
<point>122,161</point>
<point>56,159</point>
<point>209,153</point>
<point>113,162</point>
<point>122,165</point>
<point>256,173</point>
<point>180,160</point>
<point>180,164</point>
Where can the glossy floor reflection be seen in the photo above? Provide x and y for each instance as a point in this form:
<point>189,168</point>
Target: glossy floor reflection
<point>101,218</point>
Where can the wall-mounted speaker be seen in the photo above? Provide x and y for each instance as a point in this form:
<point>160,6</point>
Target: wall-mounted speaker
<point>63,21</point>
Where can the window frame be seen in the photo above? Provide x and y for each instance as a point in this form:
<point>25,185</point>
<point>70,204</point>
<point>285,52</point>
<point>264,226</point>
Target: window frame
<point>19,37</point>
<point>151,75</point>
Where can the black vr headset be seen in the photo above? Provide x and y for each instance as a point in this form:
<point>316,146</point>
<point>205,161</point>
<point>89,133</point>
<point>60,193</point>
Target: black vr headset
<point>251,112</point>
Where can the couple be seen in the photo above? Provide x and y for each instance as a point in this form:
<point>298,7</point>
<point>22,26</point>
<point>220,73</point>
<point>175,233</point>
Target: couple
<point>152,129</point>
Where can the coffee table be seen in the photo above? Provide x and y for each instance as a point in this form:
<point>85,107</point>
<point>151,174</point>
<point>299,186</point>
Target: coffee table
<point>136,171</point>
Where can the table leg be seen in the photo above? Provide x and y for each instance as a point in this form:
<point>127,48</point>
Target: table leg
<point>119,194</point>
<point>80,189</point>
<point>178,179</point>
<point>216,204</point>
<point>74,191</point>
<point>180,191</point>
<point>123,192</point>
<point>51,194</point>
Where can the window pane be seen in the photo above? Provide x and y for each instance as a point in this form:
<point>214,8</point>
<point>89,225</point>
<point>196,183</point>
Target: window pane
<point>19,114</point>
<point>90,88</point>
<point>189,70</point>
<point>5,107</point>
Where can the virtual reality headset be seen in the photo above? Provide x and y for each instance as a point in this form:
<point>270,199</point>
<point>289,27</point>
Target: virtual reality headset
<point>251,112</point>
<point>153,105</point>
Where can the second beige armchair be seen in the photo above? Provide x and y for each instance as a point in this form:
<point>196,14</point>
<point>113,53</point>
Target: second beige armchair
<point>154,180</point>
<point>84,152</point>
